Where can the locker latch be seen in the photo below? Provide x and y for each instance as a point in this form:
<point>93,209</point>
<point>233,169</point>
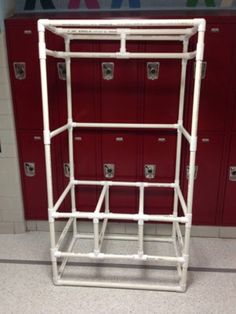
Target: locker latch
<point>150,171</point>
<point>19,70</point>
<point>204,67</point>
<point>66,168</point>
<point>153,70</point>
<point>107,70</point>
<point>109,170</point>
<point>195,172</point>
<point>29,169</point>
<point>61,69</point>
<point>232,173</point>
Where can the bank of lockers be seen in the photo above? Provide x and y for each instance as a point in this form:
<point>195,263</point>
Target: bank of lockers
<point>126,91</point>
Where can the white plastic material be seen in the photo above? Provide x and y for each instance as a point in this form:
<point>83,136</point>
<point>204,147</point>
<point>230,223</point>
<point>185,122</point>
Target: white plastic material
<point>123,30</point>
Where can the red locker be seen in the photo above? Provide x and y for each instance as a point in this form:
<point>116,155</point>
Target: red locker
<point>33,174</point>
<point>85,160</point>
<point>207,182</point>
<point>159,150</point>
<point>22,41</point>
<point>120,86</point>
<point>120,153</point>
<point>85,157</point>
<point>229,210</point>
<point>161,90</point>
<point>84,86</point>
<point>23,50</point>
<point>216,88</point>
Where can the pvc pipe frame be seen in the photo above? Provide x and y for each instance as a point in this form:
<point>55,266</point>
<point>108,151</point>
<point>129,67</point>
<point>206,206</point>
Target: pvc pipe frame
<point>76,30</point>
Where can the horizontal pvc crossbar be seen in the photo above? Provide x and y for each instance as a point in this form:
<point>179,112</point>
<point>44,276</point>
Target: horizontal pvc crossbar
<point>124,22</point>
<point>144,257</point>
<point>128,37</point>
<point>120,31</point>
<point>124,125</point>
<point>122,237</point>
<point>115,216</point>
<point>121,55</point>
<point>121,183</point>
<point>122,285</point>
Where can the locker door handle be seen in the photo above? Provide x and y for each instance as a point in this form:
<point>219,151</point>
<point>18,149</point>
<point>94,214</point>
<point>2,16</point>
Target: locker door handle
<point>195,172</point>
<point>61,70</point>
<point>232,173</point>
<point>149,171</point>
<point>66,167</point>
<point>153,70</point>
<point>29,169</point>
<point>204,68</point>
<point>108,70</point>
<point>109,170</point>
<point>19,70</point>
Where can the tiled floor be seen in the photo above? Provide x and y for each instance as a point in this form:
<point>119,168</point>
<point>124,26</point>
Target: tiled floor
<point>26,287</point>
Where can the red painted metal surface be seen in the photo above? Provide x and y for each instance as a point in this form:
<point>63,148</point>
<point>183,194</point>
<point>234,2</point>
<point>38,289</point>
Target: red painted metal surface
<point>208,162</point>
<point>161,96</point>
<point>229,211</point>
<point>119,96</point>
<point>34,187</point>
<point>216,86</point>
<point>121,149</point>
<point>159,149</point>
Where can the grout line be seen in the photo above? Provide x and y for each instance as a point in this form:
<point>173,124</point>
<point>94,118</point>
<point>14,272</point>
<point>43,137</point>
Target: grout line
<point>114,265</point>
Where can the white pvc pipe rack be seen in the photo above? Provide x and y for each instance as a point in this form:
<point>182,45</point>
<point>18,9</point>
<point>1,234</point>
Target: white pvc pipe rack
<point>123,30</point>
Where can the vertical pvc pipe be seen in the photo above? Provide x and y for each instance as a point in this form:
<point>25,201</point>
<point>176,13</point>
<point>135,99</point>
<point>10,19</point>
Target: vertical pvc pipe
<point>196,97</point>
<point>70,131</point>
<point>140,221</point>
<point>107,201</point>
<point>179,133</point>
<point>96,235</point>
<point>47,146</point>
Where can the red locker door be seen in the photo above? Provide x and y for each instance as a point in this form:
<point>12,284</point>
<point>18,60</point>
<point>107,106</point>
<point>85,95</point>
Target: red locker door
<point>208,168</point>
<point>216,83</point>
<point>84,86</point>
<point>161,90</point>
<point>24,69</point>
<point>120,154</point>
<point>85,156</point>
<point>229,211</point>
<point>120,86</point>
<point>85,160</point>
<point>22,40</point>
<point>33,172</point>
<point>159,149</point>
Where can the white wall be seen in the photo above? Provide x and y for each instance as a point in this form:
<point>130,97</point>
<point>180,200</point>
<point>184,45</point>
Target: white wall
<point>11,205</point>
